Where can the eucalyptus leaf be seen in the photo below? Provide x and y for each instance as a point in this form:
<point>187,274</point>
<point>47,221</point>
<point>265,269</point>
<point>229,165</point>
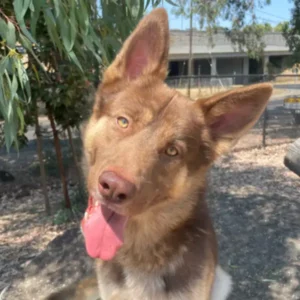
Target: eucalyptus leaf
<point>31,6</point>
<point>21,118</point>
<point>73,25</point>
<point>171,2</point>
<point>35,15</point>
<point>27,33</point>
<point>74,58</point>
<point>14,86</point>
<point>57,7</point>
<point>52,30</point>
<point>3,64</point>
<point>18,7</point>
<point>85,16</point>
<point>66,35</point>
<point>26,4</point>
<point>11,35</point>
<point>3,102</point>
<point>26,43</point>
<point>3,28</point>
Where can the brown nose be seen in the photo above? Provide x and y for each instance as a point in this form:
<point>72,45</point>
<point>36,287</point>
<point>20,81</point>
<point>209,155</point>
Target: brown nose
<point>115,188</point>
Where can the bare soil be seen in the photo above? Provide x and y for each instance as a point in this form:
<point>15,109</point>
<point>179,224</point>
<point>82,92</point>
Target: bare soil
<point>255,205</point>
<point>254,201</point>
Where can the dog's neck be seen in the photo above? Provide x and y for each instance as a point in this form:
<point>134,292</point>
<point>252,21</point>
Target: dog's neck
<point>168,230</point>
<point>164,217</point>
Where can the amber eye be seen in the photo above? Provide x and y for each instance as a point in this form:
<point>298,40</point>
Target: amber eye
<point>123,122</point>
<point>171,151</point>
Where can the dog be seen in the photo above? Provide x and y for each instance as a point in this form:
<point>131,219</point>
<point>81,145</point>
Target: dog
<point>148,149</point>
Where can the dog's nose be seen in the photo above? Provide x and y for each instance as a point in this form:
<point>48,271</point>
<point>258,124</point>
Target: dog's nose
<point>115,188</point>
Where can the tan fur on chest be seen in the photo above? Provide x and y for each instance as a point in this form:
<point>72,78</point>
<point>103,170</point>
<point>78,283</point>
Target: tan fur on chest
<point>150,286</point>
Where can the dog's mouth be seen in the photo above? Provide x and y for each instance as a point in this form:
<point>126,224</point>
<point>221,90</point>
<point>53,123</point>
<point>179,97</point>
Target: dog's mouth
<point>103,230</point>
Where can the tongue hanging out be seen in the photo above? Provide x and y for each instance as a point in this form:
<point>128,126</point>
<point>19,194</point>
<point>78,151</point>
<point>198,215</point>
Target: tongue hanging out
<point>103,230</point>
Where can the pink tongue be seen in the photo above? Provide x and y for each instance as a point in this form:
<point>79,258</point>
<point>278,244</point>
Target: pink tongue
<point>103,231</point>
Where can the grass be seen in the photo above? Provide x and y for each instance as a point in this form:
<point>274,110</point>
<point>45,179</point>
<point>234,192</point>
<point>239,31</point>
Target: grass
<point>51,161</point>
<point>51,164</point>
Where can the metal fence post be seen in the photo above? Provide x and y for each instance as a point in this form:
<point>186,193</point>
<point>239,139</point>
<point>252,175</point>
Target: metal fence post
<point>265,119</point>
<point>264,133</point>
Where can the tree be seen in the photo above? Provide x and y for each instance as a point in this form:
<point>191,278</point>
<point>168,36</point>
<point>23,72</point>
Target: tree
<point>280,27</point>
<point>42,42</point>
<point>242,33</point>
<point>32,34</point>
<point>291,32</point>
<point>249,38</point>
<point>34,25</point>
<point>266,27</point>
<point>76,30</point>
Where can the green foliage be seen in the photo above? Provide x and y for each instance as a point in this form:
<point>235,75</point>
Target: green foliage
<point>249,38</point>
<point>117,20</point>
<point>244,34</point>
<point>281,27</point>
<point>40,27</point>
<point>51,162</point>
<point>64,215</point>
<point>1,134</point>
<point>51,49</point>
<point>266,27</point>
<point>15,93</point>
<point>291,32</point>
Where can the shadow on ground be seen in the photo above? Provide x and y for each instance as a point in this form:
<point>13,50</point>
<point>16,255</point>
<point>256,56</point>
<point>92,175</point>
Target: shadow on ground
<point>259,232</point>
<point>62,263</point>
<point>259,239</point>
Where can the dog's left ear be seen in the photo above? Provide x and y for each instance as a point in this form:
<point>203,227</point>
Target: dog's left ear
<point>145,52</point>
<point>230,115</point>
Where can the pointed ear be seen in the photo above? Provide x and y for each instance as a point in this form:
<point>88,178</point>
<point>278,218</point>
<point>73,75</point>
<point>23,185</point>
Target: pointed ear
<point>230,115</point>
<point>145,52</point>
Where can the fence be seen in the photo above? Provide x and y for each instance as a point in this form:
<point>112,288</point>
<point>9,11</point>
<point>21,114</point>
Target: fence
<point>277,125</point>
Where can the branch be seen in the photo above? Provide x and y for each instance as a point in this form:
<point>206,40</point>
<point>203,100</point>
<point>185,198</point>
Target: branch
<point>8,19</point>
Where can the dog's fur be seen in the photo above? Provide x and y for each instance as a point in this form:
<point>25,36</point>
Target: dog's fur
<point>170,248</point>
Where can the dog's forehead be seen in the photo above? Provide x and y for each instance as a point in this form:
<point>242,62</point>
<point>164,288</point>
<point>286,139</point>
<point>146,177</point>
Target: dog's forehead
<point>149,101</point>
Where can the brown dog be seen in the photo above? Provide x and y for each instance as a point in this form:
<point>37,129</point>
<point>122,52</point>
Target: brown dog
<point>148,150</point>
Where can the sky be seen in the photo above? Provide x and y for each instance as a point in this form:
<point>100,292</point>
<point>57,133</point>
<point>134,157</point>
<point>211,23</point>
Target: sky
<point>276,12</point>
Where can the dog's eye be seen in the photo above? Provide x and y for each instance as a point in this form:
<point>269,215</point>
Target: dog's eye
<point>171,151</point>
<point>122,122</point>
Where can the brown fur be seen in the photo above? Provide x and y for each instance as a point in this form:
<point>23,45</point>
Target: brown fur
<point>169,233</point>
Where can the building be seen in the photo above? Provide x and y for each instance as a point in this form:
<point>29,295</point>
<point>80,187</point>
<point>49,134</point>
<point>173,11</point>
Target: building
<point>223,58</point>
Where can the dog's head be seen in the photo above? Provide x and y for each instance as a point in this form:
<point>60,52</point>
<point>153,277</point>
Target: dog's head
<point>145,142</point>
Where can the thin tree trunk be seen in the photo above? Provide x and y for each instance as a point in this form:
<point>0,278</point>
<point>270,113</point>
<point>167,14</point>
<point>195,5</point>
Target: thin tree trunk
<point>59,160</point>
<point>78,173</point>
<point>190,62</point>
<point>39,143</point>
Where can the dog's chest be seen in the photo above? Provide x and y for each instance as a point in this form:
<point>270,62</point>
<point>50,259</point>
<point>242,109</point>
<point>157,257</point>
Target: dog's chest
<point>144,285</point>
<point>134,285</point>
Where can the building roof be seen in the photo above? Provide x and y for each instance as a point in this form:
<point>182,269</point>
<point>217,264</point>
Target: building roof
<point>179,48</point>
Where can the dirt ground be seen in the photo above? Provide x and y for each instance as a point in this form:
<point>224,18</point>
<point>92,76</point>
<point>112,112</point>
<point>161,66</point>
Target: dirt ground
<point>254,202</point>
<point>255,206</point>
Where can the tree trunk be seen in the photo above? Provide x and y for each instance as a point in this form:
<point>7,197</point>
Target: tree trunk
<point>59,160</point>
<point>190,62</point>
<point>39,144</point>
<point>77,167</point>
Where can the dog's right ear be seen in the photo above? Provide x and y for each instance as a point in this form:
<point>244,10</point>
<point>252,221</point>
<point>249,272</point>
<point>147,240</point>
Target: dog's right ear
<point>231,114</point>
<point>145,52</point>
